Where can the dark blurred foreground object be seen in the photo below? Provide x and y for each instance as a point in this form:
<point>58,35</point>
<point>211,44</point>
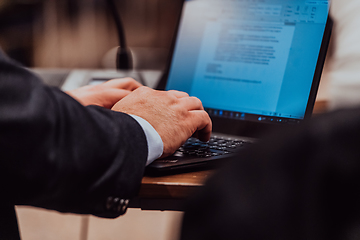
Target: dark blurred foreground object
<point>305,184</point>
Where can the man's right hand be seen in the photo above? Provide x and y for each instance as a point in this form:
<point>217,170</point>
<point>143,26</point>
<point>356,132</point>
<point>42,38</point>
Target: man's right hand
<point>174,115</point>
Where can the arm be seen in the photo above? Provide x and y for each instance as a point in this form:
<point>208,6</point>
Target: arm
<point>109,93</point>
<point>57,154</point>
<point>168,114</point>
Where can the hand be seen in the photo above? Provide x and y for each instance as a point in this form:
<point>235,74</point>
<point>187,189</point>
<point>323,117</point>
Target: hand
<point>174,115</point>
<point>105,94</point>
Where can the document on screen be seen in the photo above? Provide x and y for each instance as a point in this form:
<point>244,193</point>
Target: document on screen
<point>240,62</point>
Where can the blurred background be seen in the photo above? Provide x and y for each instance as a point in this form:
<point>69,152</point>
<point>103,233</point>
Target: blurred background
<point>81,33</point>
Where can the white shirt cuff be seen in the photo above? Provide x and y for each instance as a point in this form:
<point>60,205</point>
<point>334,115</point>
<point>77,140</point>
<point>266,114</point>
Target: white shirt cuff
<point>154,141</point>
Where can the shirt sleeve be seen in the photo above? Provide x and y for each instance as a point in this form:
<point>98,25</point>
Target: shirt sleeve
<point>154,141</point>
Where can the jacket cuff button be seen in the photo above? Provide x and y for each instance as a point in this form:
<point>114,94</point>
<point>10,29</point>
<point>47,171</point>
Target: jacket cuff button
<point>123,205</point>
<point>109,203</point>
<point>117,205</point>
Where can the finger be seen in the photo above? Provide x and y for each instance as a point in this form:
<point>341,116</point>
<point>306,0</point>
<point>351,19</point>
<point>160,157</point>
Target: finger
<point>191,103</point>
<point>123,83</point>
<point>203,124</point>
<point>178,94</point>
<point>117,94</point>
<point>112,96</point>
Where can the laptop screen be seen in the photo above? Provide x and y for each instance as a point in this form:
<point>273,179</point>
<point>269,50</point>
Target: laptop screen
<point>249,60</point>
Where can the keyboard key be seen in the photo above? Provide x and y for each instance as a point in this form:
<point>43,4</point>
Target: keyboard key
<point>217,146</point>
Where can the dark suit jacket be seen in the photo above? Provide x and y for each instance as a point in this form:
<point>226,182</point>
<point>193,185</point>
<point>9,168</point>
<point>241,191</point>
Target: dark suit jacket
<point>302,183</point>
<point>57,154</point>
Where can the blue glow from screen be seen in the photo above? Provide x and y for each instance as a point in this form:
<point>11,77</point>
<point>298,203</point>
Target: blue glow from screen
<point>255,57</point>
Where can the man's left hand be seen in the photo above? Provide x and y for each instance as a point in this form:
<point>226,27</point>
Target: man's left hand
<point>105,94</point>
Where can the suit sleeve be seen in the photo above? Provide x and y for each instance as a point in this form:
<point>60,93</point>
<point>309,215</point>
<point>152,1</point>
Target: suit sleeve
<point>57,154</point>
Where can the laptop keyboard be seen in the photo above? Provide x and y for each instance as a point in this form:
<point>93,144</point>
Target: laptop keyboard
<point>217,146</point>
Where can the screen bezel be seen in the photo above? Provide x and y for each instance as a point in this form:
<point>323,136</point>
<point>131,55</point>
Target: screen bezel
<point>251,128</point>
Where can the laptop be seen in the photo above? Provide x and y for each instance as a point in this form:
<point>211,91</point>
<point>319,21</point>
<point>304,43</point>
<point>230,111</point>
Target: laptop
<point>255,65</point>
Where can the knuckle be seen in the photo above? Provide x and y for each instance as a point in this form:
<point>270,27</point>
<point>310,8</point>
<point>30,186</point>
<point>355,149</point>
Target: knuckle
<point>126,82</point>
<point>129,82</point>
<point>197,100</point>
<point>171,95</point>
<point>143,89</point>
<point>129,79</point>
<point>185,93</point>
<point>132,81</point>
<point>203,115</point>
<point>206,114</point>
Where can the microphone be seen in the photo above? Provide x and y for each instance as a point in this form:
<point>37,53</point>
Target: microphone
<point>124,56</point>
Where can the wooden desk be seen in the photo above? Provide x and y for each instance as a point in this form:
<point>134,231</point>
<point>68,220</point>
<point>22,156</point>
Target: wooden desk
<point>168,192</point>
<point>321,107</point>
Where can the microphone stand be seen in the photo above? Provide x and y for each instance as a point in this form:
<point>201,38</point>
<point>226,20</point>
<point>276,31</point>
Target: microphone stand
<point>124,56</point>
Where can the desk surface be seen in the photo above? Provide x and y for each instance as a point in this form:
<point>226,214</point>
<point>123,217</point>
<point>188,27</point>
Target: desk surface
<point>173,186</point>
<point>168,192</point>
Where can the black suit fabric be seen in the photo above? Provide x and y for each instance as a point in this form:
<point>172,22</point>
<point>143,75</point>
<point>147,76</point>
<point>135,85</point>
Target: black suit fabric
<point>300,184</point>
<point>57,154</point>
<point>8,223</point>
